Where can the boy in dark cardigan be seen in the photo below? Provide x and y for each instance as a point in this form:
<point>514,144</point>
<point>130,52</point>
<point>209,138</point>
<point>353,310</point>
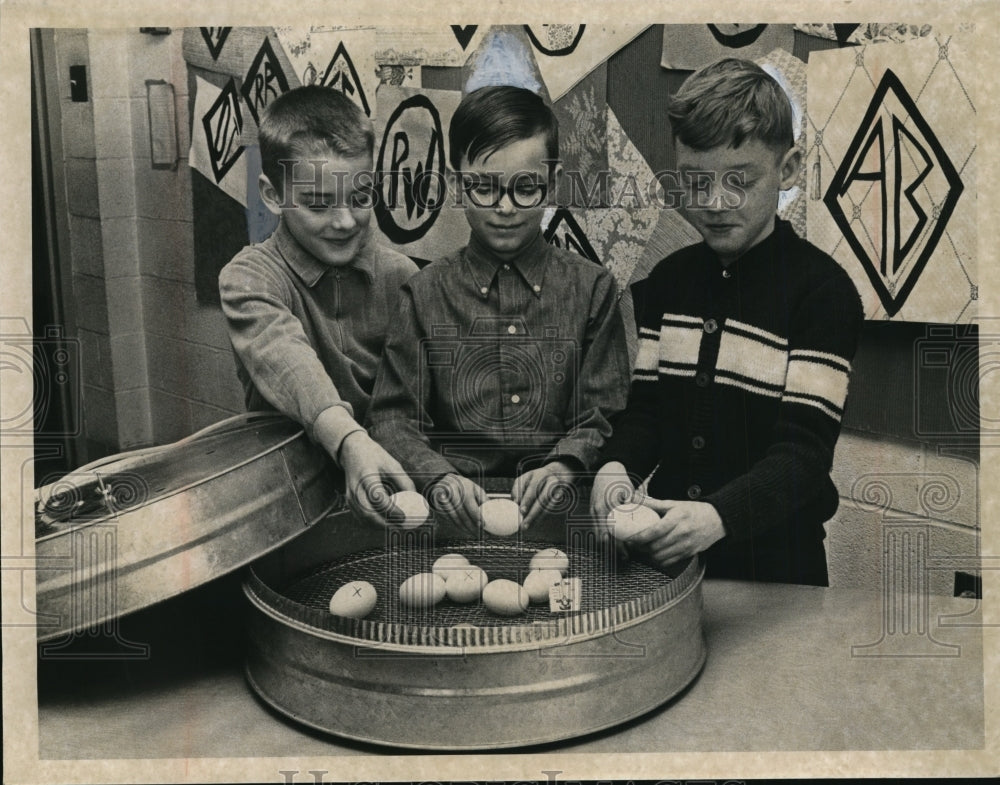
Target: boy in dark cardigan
<point>745,348</point>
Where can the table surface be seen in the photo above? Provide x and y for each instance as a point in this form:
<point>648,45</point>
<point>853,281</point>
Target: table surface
<point>788,668</point>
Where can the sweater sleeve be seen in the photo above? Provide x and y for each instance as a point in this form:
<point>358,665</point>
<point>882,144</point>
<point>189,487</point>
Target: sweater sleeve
<point>273,347</point>
<point>398,418</point>
<point>794,469</point>
<point>635,439</point>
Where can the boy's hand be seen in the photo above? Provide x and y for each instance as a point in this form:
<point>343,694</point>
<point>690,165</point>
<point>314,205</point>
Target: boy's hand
<point>540,490</point>
<point>371,476</point>
<point>685,528</point>
<point>612,486</point>
<point>457,499</point>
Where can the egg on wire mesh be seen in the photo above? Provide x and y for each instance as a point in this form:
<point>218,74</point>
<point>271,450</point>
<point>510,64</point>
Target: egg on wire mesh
<point>627,520</point>
<point>465,584</point>
<point>354,600</point>
<point>500,517</point>
<point>538,583</point>
<point>423,590</point>
<point>550,559</point>
<point>505,598</point>
<point>408,509</point>
<point>445,565</point>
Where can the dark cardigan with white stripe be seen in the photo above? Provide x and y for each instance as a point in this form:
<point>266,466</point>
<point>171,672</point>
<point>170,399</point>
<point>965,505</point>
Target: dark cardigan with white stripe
<point>737,395</point>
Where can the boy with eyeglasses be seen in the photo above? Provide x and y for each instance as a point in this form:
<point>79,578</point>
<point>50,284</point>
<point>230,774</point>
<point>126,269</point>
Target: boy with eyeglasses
<point>508,358</point>
<point>308,308</point>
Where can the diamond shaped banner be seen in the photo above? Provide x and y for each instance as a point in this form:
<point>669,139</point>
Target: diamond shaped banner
<point>891,174</point>
<point>911,177</point>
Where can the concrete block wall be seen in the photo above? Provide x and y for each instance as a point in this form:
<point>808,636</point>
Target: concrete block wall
<point>903,505</point>
<point>156,364</point>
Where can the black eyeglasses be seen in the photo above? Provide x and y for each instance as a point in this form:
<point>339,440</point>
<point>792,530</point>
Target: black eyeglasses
<point>524,191</point>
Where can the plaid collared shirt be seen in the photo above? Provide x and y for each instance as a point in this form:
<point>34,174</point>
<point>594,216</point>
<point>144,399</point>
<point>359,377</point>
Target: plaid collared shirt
<point>493,367</point>
<point>308,336</point>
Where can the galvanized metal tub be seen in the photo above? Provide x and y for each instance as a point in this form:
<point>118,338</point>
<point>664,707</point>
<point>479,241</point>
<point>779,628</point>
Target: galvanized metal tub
<point>412,682</point>
<point>124,533</point>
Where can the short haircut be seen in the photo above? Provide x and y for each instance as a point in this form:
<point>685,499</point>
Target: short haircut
<point>729,102</point>
<point>309,119</point>
<point>493,117</point>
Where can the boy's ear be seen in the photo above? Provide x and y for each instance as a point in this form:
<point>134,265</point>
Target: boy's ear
<point>269,194</point>
<point>789,166</point>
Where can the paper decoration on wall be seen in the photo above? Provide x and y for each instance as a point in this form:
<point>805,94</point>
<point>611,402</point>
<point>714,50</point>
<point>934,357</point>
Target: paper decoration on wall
<point>399,75</point>
<point>888,32</point>
<point>583,142</point>
<point>414,209</point>
<point>620,231</point>
<point>464,34</point>
<point>235,58</point>
<point>567,53</point>
<point>343,59</point>
<point>615,234</point>
<point>215,39</point>
<point>504,57</point>
<point>442,46</point>
<point>264,82</point>
<point>561,229</point>
<point>892,141</point>
<point>831,32</point>
<point>216,146</point>
<point>689,47</point>
<point>790,73</point>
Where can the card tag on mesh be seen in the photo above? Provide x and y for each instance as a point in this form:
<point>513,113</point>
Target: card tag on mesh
<point>564,597</point>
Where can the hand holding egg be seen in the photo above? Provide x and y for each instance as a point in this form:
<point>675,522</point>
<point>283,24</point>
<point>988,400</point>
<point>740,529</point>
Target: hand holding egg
<point>408,509</point>
<point>627,520</point>
<point>500,517</point>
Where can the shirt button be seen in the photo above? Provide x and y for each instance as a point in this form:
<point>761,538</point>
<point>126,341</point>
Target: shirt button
<point>698,442</point>
<point>694,492</point>
<point>515,399</point>
<point>537,288</point>
<point>484,290</point>
<point>701,379</point>
<point>506,267</point>
<point>726,274</point>
<point>711,326</point>
<point>512,329</point>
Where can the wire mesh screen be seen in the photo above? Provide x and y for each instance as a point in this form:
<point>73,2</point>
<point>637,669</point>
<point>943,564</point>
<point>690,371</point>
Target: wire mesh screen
<point>612,592</point>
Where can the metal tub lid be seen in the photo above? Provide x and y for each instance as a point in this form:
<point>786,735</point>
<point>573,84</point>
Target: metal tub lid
<point>135,528</point>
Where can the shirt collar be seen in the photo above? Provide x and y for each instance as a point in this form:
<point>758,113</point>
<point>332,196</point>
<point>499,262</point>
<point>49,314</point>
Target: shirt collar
<point>530,264</point>
<point>310,269</point>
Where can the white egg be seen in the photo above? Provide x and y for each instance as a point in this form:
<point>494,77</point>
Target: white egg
<point>550,559</point>
<point>628,519</point>
<point>501,517</point>
<point>538,583</point>
<point>408,509</point>
<point>465,584</point>
<point>354,600</point>
<point>445,565</point>
<point>505,598</point>
<point>423,590</point>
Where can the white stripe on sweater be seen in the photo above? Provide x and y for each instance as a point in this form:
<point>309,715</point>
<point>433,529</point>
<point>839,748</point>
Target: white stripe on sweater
<point>757,362</point>
<point>807,377</point>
